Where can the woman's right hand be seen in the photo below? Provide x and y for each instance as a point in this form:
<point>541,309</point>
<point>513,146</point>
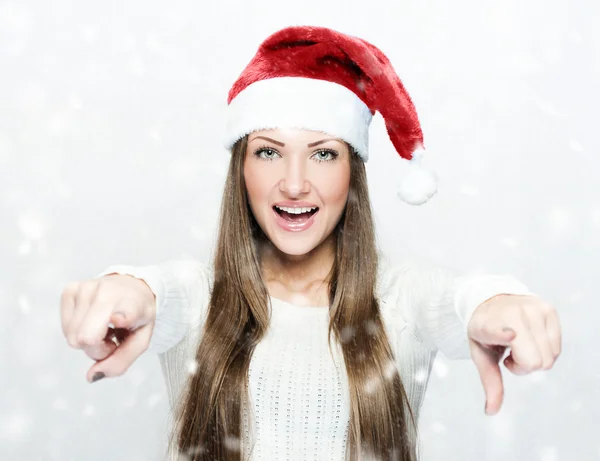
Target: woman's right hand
<point>95,311</point>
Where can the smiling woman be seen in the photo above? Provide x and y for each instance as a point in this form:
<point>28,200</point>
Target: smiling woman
<point>297,186</point>
<point>300,342</point>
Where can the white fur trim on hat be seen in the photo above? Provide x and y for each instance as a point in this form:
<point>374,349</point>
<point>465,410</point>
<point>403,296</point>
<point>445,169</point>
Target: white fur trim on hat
<point>298,102</point>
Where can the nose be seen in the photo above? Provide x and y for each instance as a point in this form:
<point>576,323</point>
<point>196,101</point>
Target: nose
<point>294,182</point>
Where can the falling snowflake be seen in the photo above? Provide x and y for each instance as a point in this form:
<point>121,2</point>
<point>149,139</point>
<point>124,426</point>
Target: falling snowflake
<point>421,375</point>
<point>136,66</point>
<point>198,233</point>
<point>502,425</point>
<point>88,410</point>
<point>347,334</point>
<point>48,381</point>
<point>575,405</point>
<point>60,404</point>
<point>390,369</point>
<point>192,366</point>
<point>438,427</point>
<point>574,145</point>
<point>440,368</point>
<point>15,426</point>
<point>155,134</point>
<point>371,385</point>
<point>25,248</point>
<point>537,376</point>
<point>470,190</point>
<point>57,123</point>
<point>575,297</point>
<point>75,102</point>
<point>232,443</point>
<point>154,399</point>
<point>31,226</point>
<point>88,33</point>
<point>509,242</point>
<point>549,454</point>
<point>24,304</point>
<point>560,222</point>
<point>595,217</point>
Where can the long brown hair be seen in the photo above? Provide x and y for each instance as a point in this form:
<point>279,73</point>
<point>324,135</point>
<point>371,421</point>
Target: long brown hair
<point>210,414</point>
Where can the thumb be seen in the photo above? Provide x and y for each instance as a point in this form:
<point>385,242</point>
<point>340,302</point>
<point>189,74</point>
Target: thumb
<point>127,317</point>
<point>120,320</point>
<point>486,360</point>
<point>494,336</point>
<point>127,352</point>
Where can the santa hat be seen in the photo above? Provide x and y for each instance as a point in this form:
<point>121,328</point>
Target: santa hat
<point>319,79</point>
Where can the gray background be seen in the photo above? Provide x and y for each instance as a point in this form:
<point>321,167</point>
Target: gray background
<point>110,122</point>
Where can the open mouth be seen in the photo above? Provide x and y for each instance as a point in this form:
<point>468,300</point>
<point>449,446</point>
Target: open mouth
<point>296,215</point>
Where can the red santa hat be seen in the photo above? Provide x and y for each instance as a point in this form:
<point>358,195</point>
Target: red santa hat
<point>319,79</point>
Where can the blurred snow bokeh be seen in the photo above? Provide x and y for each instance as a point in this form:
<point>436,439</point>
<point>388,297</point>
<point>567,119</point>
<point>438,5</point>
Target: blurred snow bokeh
<point>110,153</point>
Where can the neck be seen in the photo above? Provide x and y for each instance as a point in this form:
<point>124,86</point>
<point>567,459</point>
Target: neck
<point>298,272</point>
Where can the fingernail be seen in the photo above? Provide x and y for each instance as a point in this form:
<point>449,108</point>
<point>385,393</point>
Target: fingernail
<point>486,408</point>
<point>98,376</point>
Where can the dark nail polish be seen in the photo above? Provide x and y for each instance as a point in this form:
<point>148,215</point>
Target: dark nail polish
<point>97,376</point>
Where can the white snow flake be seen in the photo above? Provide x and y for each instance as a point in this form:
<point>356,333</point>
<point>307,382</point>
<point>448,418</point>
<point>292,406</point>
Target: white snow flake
<point>192,366</point>
<point>88,410</point>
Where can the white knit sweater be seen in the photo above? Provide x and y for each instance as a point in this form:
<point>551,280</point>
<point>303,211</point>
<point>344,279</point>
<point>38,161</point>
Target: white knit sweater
<point>299,393</point>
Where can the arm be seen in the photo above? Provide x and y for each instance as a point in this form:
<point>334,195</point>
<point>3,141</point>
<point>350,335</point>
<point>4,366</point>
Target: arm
<point>181,289</point>
<point>439,303</point>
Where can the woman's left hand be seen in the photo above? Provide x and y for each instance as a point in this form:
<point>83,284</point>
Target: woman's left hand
<point>527,325</point>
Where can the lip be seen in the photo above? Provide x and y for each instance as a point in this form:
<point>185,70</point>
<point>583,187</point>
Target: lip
<point>294,227</point>
<point>295,204</point>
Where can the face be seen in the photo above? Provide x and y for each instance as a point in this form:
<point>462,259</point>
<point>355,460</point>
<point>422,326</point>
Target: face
<point>297,183</point>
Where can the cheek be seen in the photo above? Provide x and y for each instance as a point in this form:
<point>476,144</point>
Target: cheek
<point>256,184</point>
<point>334,188</point>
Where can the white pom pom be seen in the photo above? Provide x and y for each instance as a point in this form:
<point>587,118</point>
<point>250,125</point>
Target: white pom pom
<point>418,184</point>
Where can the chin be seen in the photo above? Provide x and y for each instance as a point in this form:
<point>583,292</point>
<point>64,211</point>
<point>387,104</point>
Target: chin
<point>295,247</point>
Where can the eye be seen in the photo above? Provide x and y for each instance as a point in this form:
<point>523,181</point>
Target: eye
<point>266,153</point>
<point>325,155</point>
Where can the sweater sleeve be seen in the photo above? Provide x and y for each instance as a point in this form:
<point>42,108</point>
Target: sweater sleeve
<point>181,288</point>
<point>437,303</point>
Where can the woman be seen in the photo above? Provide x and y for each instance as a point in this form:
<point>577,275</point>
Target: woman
<point>301,342</point>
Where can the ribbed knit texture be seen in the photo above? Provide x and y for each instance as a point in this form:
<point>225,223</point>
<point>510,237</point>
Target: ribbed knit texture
<point>299,392</point>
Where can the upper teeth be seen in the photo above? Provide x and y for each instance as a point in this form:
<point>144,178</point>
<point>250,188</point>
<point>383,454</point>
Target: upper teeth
<point>296,210</point>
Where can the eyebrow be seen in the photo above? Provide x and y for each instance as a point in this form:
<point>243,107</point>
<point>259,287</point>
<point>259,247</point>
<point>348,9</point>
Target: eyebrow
<point>312,144</point>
